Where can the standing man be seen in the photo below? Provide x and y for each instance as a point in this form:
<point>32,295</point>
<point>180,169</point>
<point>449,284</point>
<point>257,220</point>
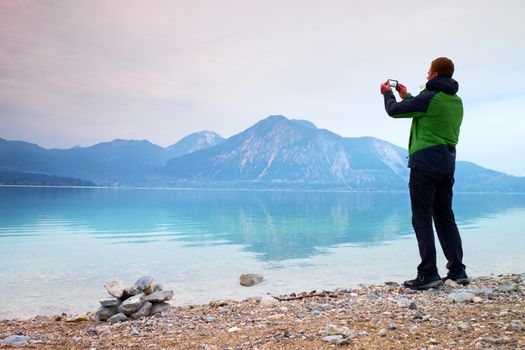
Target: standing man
<point>436,115</point>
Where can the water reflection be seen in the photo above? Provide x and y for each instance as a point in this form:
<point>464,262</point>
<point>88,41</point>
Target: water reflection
<point>273,225</point>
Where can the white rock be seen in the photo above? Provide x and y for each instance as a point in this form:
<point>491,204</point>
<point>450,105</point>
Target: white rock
<point>268,301</point>
<point>452,284</point>
<point>275,317</point>
<point>234,329</point>
<point>344,331</point>
<point>433,341</point>
<point>461,296</point>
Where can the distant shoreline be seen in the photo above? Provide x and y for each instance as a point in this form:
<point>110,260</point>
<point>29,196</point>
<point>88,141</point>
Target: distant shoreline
<point>233,189</point>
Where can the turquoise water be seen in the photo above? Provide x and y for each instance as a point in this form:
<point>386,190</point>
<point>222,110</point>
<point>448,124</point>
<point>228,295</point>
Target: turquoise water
<point>59,245</point>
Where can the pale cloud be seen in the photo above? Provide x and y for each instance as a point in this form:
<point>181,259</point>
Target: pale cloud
<point>85,72</point>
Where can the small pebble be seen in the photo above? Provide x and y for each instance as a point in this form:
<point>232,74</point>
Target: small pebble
<point>433,341</point>
<point>464,326</point>
<point>372,296</point>
<point>451,284</point>
<point>419,315</point>
<point>494,340</point>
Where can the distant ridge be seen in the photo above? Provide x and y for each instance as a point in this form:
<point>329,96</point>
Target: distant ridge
<point>194,142</point>
<point>275,152</point>
<point>8,177</point>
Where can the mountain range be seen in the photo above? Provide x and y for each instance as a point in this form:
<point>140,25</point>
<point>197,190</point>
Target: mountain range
<point>274,153</point>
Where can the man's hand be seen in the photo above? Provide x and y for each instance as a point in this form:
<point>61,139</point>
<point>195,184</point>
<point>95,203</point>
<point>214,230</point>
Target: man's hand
<point>402,90</point>
<point>385,87</point>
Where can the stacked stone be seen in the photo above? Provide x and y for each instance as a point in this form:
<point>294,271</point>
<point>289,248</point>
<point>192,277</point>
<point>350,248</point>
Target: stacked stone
<point>142,299</point>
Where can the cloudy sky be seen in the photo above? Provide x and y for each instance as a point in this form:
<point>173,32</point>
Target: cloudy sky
<point>83,72</point>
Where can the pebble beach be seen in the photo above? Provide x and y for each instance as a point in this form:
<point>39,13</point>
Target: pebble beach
<point>487,313</point>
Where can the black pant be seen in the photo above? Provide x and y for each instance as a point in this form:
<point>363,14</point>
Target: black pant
<point>431,198</point>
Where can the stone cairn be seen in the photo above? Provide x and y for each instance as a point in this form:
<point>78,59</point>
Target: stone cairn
<point>142,299</point>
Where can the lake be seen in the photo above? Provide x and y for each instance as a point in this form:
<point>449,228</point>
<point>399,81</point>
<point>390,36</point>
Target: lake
<point>59,245</point>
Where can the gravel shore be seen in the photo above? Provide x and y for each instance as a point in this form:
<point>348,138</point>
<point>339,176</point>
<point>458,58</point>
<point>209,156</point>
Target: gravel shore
<point>488,313</point>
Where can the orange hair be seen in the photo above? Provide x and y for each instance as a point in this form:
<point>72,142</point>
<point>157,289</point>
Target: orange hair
<point>443,66</point>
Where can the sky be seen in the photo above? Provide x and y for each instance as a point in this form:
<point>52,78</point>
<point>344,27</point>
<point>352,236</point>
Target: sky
<point>84,72</point>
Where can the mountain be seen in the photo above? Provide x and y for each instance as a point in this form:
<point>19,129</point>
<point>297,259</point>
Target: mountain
<point>194,142</point>
<point>471,177</point>
<point>276,152</point>
<point>279,152</point>
<point>129,162</point>
<point>118,161</point>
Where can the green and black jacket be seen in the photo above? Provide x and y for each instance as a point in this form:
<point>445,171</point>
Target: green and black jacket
<point>436,115</point>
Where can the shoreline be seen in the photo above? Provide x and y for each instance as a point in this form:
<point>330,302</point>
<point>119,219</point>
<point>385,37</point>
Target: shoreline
<point>490,312</point>
<point>237,189</point>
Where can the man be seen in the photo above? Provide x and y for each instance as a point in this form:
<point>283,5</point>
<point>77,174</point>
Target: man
<point>436,115</point>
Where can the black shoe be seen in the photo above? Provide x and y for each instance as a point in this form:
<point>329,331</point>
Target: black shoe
<point>458,277</point>
<point>424,282</point>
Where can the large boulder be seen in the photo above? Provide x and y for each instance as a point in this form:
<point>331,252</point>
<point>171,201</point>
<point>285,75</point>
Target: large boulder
<point>109,302</point>
<point>131,305</point>
<point>129,292</point>
<point>160,296</point>
<point>115,287</point>
<point>143,311</point>
<point>105,312</point>
<point>145,284</point>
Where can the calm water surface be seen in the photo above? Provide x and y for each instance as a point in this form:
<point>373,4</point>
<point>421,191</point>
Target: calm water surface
<point>59,246</point>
